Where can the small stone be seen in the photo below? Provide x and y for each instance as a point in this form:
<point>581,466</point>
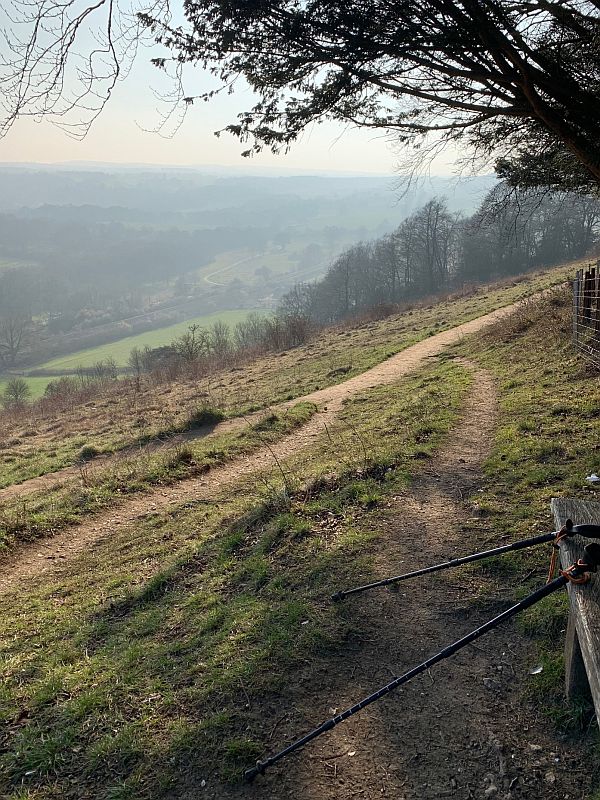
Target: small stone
<point>550,777</point>
<point>491,790</point>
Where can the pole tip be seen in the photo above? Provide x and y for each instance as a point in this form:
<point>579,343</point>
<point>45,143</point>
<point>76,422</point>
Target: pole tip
<point>254,772</point>
<point>337,597</point>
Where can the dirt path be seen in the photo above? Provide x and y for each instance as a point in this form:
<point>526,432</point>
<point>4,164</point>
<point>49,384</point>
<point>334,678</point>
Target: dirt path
<point>45,555</point>
<point>461,730</point>
<point>51,480</point>
<point>385,372</point>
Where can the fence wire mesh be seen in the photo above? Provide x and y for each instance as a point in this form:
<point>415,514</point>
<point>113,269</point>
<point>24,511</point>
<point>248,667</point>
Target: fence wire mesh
<point>586,313</point>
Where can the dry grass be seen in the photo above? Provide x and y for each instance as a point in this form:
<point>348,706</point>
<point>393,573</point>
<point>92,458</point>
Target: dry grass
<point>124,414</point>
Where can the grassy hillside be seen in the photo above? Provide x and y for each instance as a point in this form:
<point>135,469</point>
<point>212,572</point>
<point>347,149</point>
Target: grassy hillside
<point>159,659</point>
<point>35,444</point>
<point>148,612</point>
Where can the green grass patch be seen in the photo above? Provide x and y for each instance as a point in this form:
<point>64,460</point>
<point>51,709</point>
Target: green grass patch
<point>545,445</point>
<point>204,415</point>
<point>146,666</point>
<point>44,513</point>
<point>541,450</point>
<point>120,350</point>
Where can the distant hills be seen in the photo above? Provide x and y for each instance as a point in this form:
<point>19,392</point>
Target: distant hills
<point>176,190</point>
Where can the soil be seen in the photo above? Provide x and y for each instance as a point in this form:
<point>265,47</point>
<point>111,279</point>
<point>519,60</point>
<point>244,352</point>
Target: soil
<point>50,554</point>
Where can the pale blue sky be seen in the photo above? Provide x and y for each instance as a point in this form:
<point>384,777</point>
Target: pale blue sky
<point>123,134</point>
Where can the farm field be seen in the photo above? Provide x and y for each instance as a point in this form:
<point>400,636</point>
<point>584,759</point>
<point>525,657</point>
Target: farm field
<point>121,349</point>
<point>10,263</point>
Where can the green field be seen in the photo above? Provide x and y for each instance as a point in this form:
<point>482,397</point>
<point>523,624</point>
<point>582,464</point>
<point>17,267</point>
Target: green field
<point>243,264</point>
<point>121,349</point>
<point>13,263</point>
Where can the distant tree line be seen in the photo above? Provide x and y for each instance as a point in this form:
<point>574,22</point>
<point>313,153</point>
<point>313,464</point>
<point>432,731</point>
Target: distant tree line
<point>68,264</point>
<point>71,276</point>
<point>434,250</point>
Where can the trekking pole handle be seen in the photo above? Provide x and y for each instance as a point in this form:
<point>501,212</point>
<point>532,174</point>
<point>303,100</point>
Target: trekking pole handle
<point>588,531</point>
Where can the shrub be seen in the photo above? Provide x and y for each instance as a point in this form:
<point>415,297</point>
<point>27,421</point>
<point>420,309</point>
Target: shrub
<point>16,393</point>
<point>87,452</point>
<point>204,415</point>
<point>62,387</point>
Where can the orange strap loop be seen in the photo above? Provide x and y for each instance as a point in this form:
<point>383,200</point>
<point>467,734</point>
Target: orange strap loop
<point>554,557</point>
<point>585,578</point>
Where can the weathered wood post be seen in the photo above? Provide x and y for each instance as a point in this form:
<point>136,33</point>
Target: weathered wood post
<point>596,331</point>
<point>588,288</point>
<point>582,647</point>
<point>576,299</point>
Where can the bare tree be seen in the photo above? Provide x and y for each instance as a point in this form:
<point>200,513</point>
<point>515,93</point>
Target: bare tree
<point>192,344</point>
<point>15,332</point>
<point>63,58</point>
<point>220,339</point>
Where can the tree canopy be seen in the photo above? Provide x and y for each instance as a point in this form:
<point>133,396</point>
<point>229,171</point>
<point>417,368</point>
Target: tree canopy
<point>513,80</point>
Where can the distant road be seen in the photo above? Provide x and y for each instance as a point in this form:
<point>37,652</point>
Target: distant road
<point>302,272</point>
<point>208,277</point>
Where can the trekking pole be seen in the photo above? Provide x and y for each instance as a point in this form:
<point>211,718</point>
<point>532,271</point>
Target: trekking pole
<point>578,573</point>
<point>589,531</point>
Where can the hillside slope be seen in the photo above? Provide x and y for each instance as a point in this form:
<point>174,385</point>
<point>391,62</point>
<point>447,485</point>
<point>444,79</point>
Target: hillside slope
<point>168,653</point>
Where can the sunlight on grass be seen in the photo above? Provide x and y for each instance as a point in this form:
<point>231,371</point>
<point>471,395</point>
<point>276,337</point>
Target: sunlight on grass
<point>145,660</point>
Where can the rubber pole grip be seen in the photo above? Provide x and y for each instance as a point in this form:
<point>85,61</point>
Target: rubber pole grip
<point>589,531</point>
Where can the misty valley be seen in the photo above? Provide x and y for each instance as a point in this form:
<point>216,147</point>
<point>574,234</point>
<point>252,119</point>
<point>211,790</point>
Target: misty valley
<point>96,262</point>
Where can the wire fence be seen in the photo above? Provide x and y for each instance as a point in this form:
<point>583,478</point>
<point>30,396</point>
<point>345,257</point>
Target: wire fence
<point>586,313</point>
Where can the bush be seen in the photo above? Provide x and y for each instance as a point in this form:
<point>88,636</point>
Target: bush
<point>88,452</point>
<point>16,394</point>
<point>62,387</point>
<point>204,415</point>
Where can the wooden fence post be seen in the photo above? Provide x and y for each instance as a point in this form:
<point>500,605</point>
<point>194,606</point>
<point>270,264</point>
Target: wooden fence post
<point>586,313</point>
<point>597,304</point>
<point>582,647</point>
<point>576,284</point>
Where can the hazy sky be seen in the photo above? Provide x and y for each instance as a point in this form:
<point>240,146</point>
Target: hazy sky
<point>118,137</point>
<point>123,133</point>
